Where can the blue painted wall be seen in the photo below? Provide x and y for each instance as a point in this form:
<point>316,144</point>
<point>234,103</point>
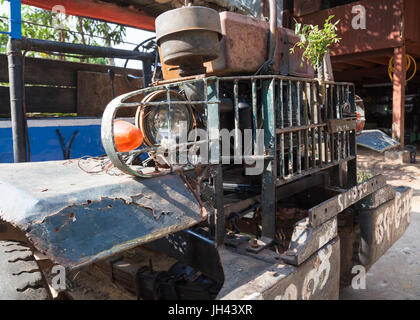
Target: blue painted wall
<point>45,142</point>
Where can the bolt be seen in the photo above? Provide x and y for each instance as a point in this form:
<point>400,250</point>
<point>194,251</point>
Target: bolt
<point>254,243</point>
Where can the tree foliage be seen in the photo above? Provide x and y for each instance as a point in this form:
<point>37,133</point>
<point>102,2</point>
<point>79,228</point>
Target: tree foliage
<point>316,41</point>
<point>42,24</point>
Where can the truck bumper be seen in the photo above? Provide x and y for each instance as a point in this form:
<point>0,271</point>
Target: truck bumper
<point>383,217</point>
<point>313,270</point>
<point>255,278</point>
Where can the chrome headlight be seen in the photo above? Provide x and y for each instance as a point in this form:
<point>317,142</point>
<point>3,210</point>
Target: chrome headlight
<point>153,120</point>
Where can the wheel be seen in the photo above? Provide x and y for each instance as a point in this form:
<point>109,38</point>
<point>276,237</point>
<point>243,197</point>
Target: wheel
<point>20,276</point>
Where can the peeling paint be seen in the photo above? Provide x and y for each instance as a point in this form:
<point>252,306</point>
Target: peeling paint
<point>85,217</point>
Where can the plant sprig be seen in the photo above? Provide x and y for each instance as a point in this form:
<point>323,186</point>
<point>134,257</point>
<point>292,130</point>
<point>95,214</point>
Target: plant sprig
<point>316,41</point>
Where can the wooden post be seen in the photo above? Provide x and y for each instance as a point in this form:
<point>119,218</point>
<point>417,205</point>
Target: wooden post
<point>398,105</point>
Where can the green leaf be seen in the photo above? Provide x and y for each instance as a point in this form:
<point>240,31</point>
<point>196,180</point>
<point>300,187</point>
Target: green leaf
<point>316,41</point>
<point>298,27</point>
<point>69,31</point>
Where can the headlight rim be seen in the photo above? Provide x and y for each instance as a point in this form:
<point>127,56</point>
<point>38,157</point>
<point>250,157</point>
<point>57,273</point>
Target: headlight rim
<point>140,117</point>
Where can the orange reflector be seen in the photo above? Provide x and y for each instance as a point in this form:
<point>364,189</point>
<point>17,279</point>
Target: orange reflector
<point>127,136</point>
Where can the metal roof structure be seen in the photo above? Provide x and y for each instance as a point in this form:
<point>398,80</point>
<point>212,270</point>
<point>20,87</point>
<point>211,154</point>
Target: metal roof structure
<point>140,13</point>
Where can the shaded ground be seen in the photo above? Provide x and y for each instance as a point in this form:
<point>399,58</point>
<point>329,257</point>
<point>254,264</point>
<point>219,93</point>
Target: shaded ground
<point>396,276</point>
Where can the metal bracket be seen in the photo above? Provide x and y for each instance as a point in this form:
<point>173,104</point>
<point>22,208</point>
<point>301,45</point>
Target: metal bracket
<point>333,206</point>
<point>341,125</point>
<point>235,240</point>
<point>258,245</point>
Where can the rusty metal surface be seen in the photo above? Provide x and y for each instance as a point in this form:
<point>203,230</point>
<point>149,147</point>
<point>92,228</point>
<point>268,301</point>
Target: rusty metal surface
<point>317,278</point>
<point>188,37</point>
<point>193,248</point>
<point>306,147</point>
<point>307,240</point>
<point>377,198</point>
<point>250,7</point>
<point>384,27</point>
<point>399,79</point>
<point>141,13</point>
<point>332,207</point>
<point>338,125</point>
<point>77,218</point>
<point>305,7</point>
<point>244,48</point>
<point>412,23</point>
<point>380,227</point>
<point>376,140</point>
<point>244,44</point>
<point>187,19</point>
<point>296,67</point>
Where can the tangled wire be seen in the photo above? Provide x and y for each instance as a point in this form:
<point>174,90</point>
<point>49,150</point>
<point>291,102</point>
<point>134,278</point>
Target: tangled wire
<point>98,165</point>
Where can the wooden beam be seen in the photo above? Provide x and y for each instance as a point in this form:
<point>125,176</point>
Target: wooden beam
<point>379,60</point>
<point>360,63</point>
<point>94,93</point>
<point>341,67</point>
<point>398,104</point>
<point>357,74</point>
<point>413,49</point>
<point>111,12</point>
<point>363,55</point>
<point>57,73</point>
<point>43,99</point>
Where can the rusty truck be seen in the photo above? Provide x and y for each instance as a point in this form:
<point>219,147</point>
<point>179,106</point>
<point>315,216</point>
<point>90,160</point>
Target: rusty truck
<point>244,178</point>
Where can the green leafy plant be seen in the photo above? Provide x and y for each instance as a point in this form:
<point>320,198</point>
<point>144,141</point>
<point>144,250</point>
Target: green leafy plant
<point>363,176</point>
<point>316,41</point>
<point>39,24</point>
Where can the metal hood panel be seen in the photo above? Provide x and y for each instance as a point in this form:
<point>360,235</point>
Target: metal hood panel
<point>76,218</point>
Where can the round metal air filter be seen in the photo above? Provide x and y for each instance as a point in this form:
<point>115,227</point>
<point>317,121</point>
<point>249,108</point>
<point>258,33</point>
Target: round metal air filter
<point>188,37</point>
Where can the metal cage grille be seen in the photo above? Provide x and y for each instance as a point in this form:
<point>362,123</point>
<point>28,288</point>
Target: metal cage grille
<point>307,126</point>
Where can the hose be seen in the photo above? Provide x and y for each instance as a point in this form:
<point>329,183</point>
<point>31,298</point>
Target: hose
<point>137,49</point>
<point>409,59</point>
<point>25,117</point>
<point>272,47</point>
<point>273,29</point>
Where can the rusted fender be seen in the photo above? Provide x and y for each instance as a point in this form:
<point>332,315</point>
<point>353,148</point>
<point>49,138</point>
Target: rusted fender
<point>76,218</point>
<point>257,278</point>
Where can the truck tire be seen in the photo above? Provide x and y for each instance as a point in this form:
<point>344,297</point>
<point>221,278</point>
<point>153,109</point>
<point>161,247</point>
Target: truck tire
<point>20,277</point>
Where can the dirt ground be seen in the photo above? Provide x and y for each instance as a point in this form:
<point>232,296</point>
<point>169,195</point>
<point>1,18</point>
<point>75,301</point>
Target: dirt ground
<point>395,276</point>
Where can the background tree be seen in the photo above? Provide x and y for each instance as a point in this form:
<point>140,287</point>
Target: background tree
<point>42,24</point>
